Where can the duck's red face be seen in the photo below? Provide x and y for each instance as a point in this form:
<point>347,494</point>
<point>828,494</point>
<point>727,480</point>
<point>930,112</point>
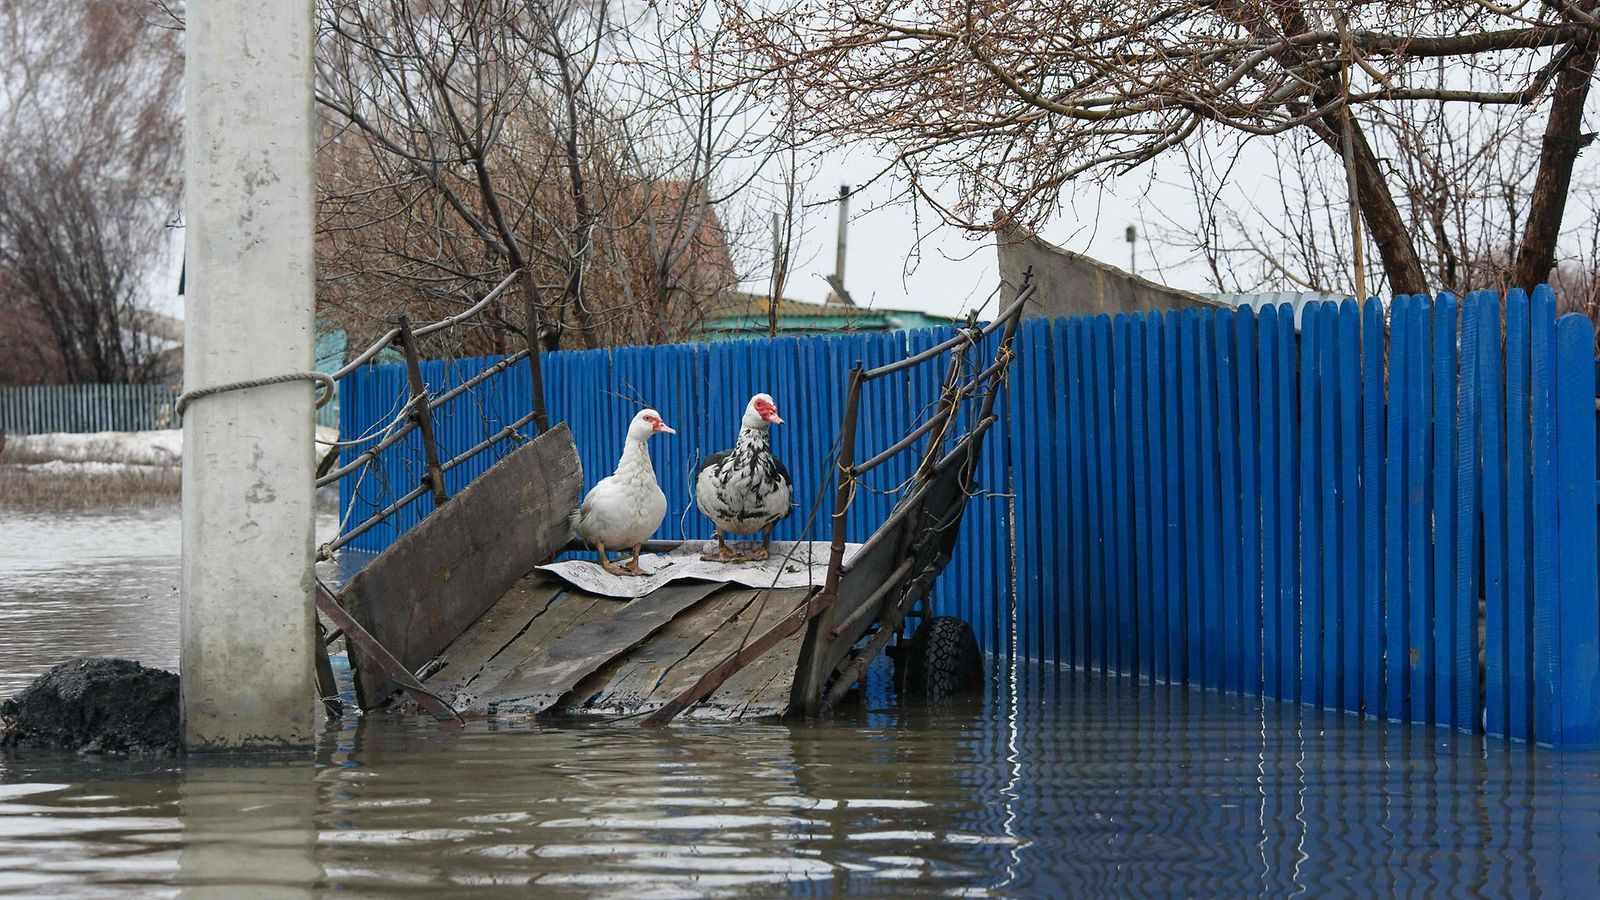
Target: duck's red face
<point>656,425</point>
<point>766,410</point>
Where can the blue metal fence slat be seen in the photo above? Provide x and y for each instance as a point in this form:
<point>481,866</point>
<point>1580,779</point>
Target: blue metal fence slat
<point>1226,387</point>
<point>1106,637</point>
<point>1138,458</point>
<point>1250,497</point>
<point>1419,643</point>
<point>1372,520</point>
<point>1331,546</point>
<point>1312,447</point>
<point>1444,504</point>
<point>1122,490</point>
<point>1212,616</point>
<point>1464,616</point>
<point>1078,451</point>
<point>1351,603</point>
<point>1519,523</point>
<point>1546,587</point>
<point>1172,376</point>
<point>1271,612</point>
<point>1155,402</point>
<point>1190,380</point>
<point>1288,504</point>
<point>1492,488</point>
<point>1395,635</point>
<point>1578,698</point>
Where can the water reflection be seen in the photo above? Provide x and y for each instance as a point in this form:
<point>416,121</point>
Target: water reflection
<point>1083,786</point>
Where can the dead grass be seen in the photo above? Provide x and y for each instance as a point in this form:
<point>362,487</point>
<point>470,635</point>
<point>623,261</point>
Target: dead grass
<point>145,486</point>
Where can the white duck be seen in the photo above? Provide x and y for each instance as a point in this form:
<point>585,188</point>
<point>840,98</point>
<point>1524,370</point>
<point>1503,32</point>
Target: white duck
<point>746,490</point>
<point>627,506</point>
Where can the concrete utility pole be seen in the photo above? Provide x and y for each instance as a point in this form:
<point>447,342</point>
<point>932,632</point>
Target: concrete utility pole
<point>838,254</point>
<point>1133,256</point>
<point>247,618</point>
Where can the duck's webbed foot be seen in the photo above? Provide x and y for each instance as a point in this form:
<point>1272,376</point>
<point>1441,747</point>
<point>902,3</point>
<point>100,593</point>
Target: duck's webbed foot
<point>605,562</point>
<point>723,554</point>
<point>633,567</point>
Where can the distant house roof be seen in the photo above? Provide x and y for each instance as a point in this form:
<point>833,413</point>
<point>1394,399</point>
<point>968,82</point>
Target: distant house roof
<point>740,303</point>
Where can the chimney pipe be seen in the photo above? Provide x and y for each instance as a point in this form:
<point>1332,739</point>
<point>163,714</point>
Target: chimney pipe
<point>844,229</point>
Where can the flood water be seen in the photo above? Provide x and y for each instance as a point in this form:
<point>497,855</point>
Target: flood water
<point>1053,784</point>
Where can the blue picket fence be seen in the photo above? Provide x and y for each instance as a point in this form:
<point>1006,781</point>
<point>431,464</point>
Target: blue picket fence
<point>43,409</point>
<point>1393,515</point>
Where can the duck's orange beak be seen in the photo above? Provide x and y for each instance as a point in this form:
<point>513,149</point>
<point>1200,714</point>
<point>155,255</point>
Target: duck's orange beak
<point>665,428</point>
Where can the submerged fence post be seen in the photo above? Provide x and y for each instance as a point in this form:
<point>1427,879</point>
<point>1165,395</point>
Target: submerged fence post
<point>247,621</point>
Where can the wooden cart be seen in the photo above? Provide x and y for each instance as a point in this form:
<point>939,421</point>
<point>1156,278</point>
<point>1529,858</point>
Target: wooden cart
<point>454,617</point>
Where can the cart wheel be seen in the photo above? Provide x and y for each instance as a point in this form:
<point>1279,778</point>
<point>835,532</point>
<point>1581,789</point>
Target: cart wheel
<point>943,659</point>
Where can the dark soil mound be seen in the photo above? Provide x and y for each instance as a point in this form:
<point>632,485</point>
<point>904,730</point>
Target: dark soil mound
<point>95,706</point>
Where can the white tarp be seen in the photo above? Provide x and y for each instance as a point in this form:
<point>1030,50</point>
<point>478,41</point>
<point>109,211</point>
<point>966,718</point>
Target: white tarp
<point>792,564</point>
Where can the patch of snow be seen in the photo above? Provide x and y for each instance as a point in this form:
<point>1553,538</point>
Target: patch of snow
<point>83,467</point>
<point>143,448</point>
<point>150,448</point>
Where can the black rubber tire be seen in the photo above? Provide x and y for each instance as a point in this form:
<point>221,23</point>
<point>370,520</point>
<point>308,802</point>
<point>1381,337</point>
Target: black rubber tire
<point>943,660</point>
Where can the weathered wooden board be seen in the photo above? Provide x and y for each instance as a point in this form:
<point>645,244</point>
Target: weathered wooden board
<point>429,587</point>
<point>759,691</point>
<point>571,612</point>
<point>462,661</point>
<point>549,671</point>
<point>753,621</point>
<point>624,686</point>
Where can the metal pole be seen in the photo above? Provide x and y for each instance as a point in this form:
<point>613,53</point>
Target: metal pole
<point>247,624</point>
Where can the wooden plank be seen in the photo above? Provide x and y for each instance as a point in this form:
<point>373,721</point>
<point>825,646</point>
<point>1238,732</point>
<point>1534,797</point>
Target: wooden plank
<point>754,620</point>
<point>461,662</point>
<point>428,587</point>
<point>546,674</point>
<point>760,690</point>
<point>1519,608</point>
<point>1578,699</point>
<point>569,611</point>
<point>624,686</point>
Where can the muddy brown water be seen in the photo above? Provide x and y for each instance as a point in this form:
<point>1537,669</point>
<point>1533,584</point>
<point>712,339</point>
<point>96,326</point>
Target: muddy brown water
<point>1052,784</point>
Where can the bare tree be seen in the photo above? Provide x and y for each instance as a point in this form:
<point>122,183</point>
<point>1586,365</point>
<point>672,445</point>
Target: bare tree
<point>1015,102</point>
<point>92,144</point>
<point>466,140</point>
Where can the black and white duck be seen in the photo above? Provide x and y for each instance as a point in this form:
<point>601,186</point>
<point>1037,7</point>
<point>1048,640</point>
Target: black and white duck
<point>746,490</point>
